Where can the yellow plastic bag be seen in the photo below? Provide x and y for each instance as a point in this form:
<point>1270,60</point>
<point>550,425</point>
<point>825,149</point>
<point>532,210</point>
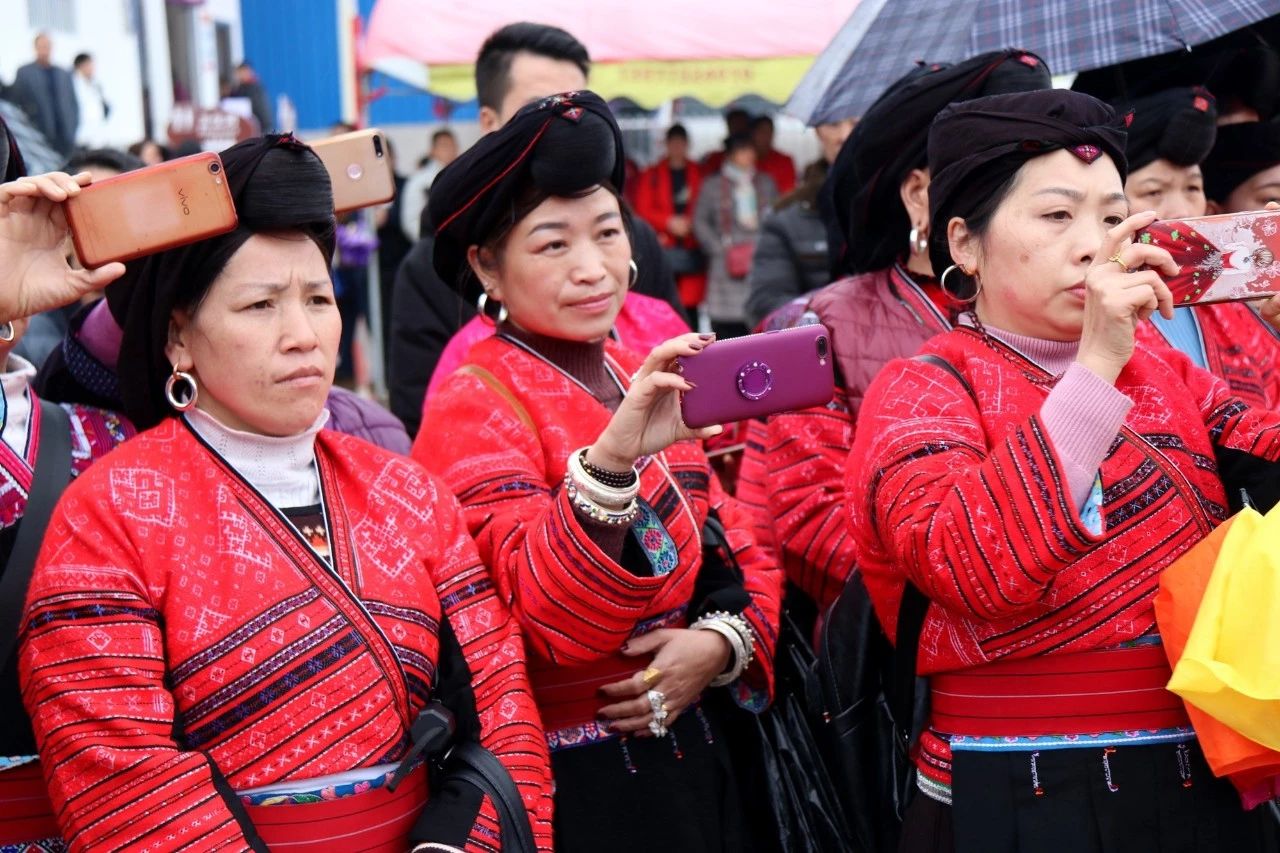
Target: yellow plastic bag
<point>1230,668</point>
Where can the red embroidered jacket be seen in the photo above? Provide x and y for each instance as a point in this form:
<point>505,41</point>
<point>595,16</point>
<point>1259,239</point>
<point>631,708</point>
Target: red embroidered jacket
<point>1239,348</point>
<point>968,500</point>
<point>180,631</point>
<point>792,473</point>
<point>504,451</point>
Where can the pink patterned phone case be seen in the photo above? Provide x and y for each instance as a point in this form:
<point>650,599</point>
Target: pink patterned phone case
<point>758,375</point>
<point>1226,257</point>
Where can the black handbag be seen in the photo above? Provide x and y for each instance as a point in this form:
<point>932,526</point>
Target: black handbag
<point>790,801</point>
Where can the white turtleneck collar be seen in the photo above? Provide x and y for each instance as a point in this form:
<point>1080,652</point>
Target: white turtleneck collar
<point>15,418</point>
<point>282,469</point>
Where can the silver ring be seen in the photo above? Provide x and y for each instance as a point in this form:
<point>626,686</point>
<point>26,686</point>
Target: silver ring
<point>658,729</point>
<point>657,701</point>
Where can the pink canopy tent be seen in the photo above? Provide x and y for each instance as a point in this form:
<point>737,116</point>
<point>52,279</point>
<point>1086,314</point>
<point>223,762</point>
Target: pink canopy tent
<point>649,51</point>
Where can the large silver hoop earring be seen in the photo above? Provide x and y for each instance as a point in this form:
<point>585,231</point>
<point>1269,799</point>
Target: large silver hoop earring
<point>942,282</point>
<point>181,404</point>
<point>917,241</point>
<point>6,332</point>
<point>635,274</point>
<point>482,305</point>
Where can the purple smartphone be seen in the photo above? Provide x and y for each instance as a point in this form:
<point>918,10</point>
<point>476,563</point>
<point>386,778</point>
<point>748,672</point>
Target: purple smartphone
<point>757,375</point>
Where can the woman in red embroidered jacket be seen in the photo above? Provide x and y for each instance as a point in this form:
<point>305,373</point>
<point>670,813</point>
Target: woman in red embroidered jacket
<point>27,821</point>
<point>1033,486</point>
<point>588,497</point>
<point>238,617</point>
<point>793,468</point>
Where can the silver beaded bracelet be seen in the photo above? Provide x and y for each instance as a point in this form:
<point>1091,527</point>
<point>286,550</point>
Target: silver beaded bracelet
<point>737,632</point>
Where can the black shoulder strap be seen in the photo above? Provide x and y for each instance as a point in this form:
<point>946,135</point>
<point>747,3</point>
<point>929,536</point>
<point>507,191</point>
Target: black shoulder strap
<point>482,768</point>
<point>939,361</point>
<point>52,471</point>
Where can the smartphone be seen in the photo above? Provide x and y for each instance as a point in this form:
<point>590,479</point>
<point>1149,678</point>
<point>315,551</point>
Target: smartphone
<point>1228,257</point>
<point>758,375</point>
<point>359,167</point>
<point>149,210</point>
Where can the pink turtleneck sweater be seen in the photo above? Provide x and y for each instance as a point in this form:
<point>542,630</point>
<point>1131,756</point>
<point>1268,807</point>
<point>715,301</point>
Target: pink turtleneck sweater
<point>1082,414</point>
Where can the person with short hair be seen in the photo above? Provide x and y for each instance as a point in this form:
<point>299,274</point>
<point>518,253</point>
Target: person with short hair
<point>93,107</point>
<point>666,196</point>
<point>413,196</point>
<point>247,84</point>
<point>731,207</point>
<point>517,64</point>
<point>47,94</point>
<point>770,160</point>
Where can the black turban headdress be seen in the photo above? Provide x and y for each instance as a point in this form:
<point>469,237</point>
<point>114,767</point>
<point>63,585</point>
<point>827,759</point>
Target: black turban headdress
<point>866,220</point>
<point>1178,125</point>
<point>11,165</point>
<point>1242,151</point>
<point>561,146</point>
<point>978,146</point>
<point>277,184</point>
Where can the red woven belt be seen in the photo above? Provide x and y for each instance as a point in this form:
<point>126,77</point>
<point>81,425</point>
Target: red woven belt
<point>26,814</point>
<point>1085,693</point>
<point>570,695</point>
<point>377,821</point>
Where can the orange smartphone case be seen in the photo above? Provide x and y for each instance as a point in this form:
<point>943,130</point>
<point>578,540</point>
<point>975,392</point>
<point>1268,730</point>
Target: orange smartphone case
<point>150,210</point>
<point>359,168</point>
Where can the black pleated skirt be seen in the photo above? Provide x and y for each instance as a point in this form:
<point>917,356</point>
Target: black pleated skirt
<point>639,795</point>
<point>1158,798</point>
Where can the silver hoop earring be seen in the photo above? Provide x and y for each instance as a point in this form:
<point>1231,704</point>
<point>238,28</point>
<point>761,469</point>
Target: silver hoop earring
<point>6,332</point>
<point>482,305</point>
<point>942,282</point>
<point>635,274</point>
<point>917,241</point>
<point>171,388</point>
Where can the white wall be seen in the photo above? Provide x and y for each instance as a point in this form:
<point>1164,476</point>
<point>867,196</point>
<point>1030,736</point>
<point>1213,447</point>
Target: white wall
<point>102,30</point>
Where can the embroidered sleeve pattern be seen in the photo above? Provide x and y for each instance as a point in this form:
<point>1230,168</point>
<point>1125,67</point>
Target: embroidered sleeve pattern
<point>94,682</point>
<point>494,651</point>
<point>982,533</point>
<point>806,454</point>
<point>574,602</point>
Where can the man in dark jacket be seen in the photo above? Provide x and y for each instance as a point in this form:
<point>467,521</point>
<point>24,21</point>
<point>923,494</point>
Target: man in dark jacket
<point>517,64</point>
<point>48,96</point>
<point>249,86</point>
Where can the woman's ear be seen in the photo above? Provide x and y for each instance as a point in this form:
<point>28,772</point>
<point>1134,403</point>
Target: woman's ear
<point>485,267</point>
<point>1212,208</point>
<point>175,348</point>
<point>964,244</point>
<point>914,191</point>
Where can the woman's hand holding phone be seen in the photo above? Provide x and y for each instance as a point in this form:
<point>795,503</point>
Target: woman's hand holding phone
<point>34,273</point>
<point>648,419</point>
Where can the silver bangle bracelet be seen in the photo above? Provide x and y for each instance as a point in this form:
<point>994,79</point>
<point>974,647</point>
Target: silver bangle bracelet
<point>619,516</point>
<point>599,492</point>
<point>436,845</point>
<point>737,631</point>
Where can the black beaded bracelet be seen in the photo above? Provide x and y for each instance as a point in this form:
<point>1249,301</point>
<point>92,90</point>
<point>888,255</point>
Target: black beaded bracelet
<point>613,479</point>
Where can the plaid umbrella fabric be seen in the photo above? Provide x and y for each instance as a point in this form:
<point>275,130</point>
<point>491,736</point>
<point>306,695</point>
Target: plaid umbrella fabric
<point>883,39</point>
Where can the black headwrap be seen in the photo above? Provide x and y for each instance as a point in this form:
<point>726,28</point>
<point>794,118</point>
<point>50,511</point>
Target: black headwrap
<point>1242,151</point>
<point>278,184</point>
<point>1178,125</point>
<point>560,145</point>
<point>870,225</point>
<point>977,146</point>
<point>11,165</point>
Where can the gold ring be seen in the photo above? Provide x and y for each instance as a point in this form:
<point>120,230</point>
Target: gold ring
<point>650,676</point>
<point>1116,258</point>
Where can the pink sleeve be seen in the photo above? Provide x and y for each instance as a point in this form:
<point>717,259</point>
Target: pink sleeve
<point>1082,415</point>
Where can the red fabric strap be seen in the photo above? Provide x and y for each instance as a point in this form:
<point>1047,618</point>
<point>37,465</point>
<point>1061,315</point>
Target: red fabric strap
<point>1085,693</point>
<point>25,811</point>
<point>570,695</point>
<point>377,821</point>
